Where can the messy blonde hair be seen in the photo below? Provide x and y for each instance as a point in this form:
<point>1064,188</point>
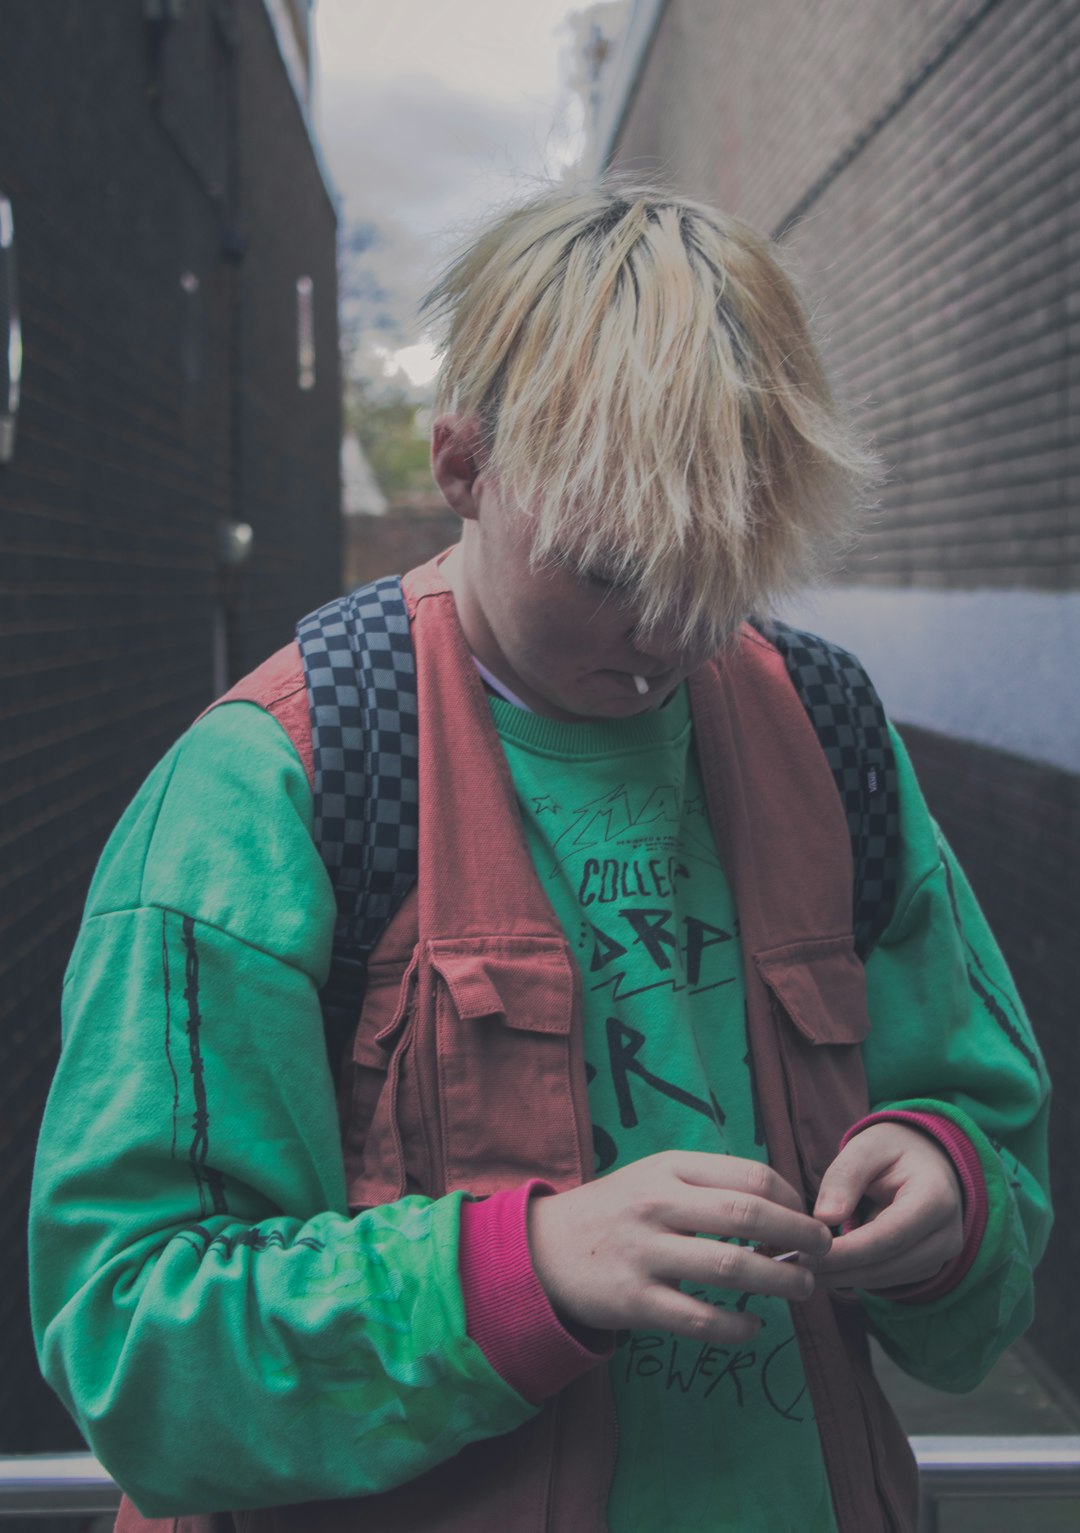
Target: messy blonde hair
<point>650,396</point>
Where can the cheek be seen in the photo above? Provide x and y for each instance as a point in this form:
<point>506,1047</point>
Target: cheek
<point>556,646</point>
<point>578,645</point>
<point>557,627</point>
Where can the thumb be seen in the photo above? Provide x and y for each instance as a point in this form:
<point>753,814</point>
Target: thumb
<point>846,1180</point>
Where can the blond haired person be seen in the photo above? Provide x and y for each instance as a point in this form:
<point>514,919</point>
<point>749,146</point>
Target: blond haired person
<point>627,1012</point>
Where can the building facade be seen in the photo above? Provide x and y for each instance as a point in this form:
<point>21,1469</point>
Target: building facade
<point>169,494</point>
<point>920,164</point>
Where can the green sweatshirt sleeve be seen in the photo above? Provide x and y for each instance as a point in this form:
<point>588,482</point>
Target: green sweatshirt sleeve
<point>224,1333</point>
<point>949,1035</point>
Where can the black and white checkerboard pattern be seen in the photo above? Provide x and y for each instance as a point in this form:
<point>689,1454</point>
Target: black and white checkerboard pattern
<point>361,681</point>
<point>849,719</point>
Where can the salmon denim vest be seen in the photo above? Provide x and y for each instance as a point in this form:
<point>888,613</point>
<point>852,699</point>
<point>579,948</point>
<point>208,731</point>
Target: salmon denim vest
<point>467,1067</point>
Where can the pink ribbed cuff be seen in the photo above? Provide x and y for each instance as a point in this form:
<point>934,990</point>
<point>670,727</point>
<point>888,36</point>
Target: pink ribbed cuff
<point>507,1312</point>
<point>968,1168</point>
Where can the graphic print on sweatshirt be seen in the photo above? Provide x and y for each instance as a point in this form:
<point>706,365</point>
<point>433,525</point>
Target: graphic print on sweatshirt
<point>616,822</point>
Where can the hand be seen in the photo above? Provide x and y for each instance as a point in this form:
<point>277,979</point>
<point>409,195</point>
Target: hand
<point>610,1254</point>
<point>916,1209</point>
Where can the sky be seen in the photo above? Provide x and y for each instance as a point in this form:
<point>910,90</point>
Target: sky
<point>431,113</point>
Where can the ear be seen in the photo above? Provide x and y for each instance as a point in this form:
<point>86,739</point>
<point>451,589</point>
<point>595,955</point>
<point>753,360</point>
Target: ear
<point>455,461</point>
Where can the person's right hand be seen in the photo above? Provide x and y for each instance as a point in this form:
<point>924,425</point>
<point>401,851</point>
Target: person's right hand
<point>611,1253</point>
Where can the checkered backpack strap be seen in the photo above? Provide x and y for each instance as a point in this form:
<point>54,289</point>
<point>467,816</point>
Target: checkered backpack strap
<point>361,682</point>
<point>846,712</point>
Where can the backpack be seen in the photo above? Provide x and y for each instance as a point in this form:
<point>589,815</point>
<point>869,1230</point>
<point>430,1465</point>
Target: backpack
<point>360,676</point>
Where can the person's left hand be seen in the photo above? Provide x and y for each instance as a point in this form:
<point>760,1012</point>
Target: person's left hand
<point>903,1188</point>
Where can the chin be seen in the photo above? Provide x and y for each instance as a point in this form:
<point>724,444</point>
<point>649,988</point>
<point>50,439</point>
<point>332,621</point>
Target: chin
<point>622,707</point>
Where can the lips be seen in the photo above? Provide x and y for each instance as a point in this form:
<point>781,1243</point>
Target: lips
<point>646,689</point>
<point>657,682</point>
<point>638,684</point>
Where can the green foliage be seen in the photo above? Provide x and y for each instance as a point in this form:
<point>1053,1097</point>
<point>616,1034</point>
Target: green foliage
<point>385,421</point>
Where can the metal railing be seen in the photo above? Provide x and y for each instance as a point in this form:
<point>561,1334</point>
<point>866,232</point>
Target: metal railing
<point>75,1484</point>
<point>56,1484</point>
<point>954,1468</point>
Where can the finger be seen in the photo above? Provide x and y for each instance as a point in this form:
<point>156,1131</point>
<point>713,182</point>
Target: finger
<point>861,1253</point>
<point>844,1184</point>
<point>899,1228</point>
<point>667,1309</point>
<point>882,1239</point>
<point>734,1174</point>
<point>877,1279</point>
<point>743,1216</point>
<point>719,1264</point>
<point>914,1267</point>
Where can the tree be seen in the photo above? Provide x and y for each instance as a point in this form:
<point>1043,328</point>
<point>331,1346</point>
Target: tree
<point>392,429</point>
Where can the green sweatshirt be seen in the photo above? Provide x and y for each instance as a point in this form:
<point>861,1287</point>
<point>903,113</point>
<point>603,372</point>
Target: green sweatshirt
<point>225,1334</point>
<point>614,812</point>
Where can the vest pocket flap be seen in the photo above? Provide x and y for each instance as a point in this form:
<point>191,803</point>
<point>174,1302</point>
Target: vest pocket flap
<point>385,1011</point>
<point>527,981</point>
<point>822,988</point>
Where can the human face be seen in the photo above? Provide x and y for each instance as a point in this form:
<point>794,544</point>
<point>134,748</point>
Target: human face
<point>565,643</point>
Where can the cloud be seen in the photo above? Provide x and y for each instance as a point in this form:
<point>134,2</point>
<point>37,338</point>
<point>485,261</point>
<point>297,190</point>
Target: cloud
<point>417,164</point>
<point>486,47</point>
<point>384,270</point>
<point>423,153</point>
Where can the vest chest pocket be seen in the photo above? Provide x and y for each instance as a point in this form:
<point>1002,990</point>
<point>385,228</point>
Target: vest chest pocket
<point>818,993</point>
<point>377,1123</point>
<point>503,1016</point>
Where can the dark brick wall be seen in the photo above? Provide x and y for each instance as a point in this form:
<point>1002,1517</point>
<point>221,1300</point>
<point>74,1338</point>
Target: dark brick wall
<point>289,439</point>
<point>1014,825</point>
<point>149,414</point>
<point>930,154</point>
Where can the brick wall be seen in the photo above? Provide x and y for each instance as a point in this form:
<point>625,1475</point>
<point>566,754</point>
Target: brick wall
<point>289,439</point>
<point>749,104</point>
<point>931,153</point>
<point>407,535</point>
<point>921,164</point>
<point>151,411</point>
